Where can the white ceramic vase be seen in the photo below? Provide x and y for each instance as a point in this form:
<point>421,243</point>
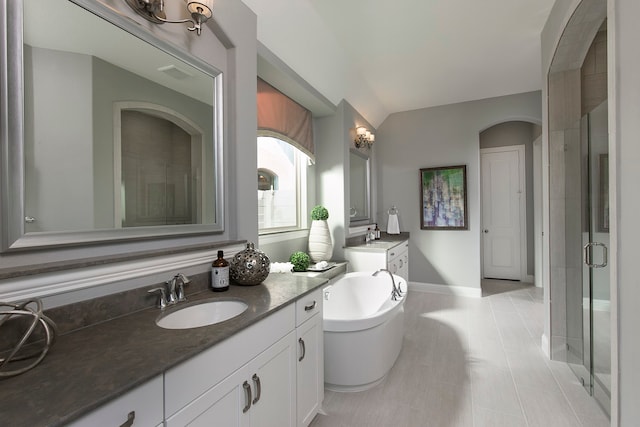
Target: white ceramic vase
<point>320,245</point>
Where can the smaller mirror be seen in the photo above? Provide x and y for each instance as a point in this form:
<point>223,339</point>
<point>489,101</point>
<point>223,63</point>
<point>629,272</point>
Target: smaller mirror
<point>359,178</point>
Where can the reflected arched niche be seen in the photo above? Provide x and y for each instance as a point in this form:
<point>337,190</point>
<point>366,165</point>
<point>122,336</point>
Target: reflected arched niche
<point>158,169</point>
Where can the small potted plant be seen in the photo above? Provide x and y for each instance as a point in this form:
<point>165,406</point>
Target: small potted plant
<point>300,261</point>
<point>320,244</point>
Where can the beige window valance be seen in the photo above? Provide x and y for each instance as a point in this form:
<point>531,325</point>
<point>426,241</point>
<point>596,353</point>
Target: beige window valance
<point>280,116</point>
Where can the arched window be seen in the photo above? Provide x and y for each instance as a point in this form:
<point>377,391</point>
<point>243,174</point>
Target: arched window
<point>281,185</point>
<point>285,149</point>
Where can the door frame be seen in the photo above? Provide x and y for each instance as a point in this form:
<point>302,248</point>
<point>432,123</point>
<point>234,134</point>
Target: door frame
<point>520,149</point>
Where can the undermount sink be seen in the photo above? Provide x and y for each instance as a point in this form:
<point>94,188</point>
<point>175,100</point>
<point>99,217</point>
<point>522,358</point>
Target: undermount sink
<point>201,314</point>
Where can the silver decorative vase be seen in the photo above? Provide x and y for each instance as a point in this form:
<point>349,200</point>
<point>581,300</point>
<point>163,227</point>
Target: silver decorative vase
<point>249,267</point>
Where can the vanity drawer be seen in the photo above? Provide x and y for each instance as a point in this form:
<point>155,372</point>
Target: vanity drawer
<point>308,306</point>
<point>142,406</point>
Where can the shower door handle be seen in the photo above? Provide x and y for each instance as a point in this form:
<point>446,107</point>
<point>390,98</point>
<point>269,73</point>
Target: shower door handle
<point>588,255</point>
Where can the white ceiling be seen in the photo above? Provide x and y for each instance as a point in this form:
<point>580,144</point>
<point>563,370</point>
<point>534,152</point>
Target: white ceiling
<point>397,55</point>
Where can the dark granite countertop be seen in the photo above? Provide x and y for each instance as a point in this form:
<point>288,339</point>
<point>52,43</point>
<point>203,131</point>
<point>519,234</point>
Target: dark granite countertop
<point>91,366</point>
<point>386,241</point>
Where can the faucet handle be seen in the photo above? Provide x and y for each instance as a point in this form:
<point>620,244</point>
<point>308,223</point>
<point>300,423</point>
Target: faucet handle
<point>172,298</point>
<point>180,290</point>
<point>162,297</point>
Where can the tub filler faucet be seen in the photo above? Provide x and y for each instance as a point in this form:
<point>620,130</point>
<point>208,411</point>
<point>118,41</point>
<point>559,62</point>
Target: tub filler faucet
<point>395,292</point>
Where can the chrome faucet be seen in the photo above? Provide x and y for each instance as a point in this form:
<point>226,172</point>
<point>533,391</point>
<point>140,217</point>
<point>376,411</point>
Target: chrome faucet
<point>176,288</point>
<point>173,293</point>
<point>395,292</point>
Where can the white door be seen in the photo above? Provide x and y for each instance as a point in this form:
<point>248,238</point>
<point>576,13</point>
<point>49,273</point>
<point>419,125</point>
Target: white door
<point>503,199</point>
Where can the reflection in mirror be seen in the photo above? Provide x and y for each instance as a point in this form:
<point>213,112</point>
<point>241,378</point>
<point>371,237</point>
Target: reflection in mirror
<point>120,130</point>
<point>359,186</point>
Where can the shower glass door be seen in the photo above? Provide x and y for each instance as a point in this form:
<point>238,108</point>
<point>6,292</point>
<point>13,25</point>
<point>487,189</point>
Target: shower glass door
<point>588,314</point>
<point>596,255</point>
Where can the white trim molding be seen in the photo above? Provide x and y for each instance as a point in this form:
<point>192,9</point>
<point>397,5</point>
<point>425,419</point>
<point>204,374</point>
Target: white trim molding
<point>82,279</point>
<point>462,291</point>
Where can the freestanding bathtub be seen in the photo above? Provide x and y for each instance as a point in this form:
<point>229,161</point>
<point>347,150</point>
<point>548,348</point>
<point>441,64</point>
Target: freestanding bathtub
<point>363,330</point>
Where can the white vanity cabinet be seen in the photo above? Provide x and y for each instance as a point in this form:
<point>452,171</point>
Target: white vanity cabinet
<point>247,380</point>
<point>260,393</point>
<point>394,256</point>
<point>310,357</point>
<point>141,406</point>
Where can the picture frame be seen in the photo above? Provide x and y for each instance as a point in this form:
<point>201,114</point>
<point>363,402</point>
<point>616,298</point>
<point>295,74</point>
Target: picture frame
<point>443,198</point>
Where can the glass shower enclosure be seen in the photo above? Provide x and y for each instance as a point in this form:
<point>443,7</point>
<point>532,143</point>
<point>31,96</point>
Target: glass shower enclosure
<point>586,251</point>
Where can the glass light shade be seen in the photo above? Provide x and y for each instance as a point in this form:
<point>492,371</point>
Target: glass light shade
<point>205,6</point>
<point>372,138</point>
<point>367,135</point>
<point>361,130</point>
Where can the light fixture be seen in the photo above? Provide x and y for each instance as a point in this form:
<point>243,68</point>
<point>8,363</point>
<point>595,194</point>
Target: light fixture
<point>363,137</point>
<point>153,10</point>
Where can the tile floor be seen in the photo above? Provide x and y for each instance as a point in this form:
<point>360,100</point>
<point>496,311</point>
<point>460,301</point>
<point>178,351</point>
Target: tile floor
<point>472,362</point>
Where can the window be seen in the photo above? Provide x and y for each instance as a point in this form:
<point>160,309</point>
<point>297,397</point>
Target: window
<point>282,183</point>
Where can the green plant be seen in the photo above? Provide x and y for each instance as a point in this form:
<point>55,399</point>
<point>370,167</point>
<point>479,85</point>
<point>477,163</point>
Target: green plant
<point>300,261</point>
<point>319,212</point>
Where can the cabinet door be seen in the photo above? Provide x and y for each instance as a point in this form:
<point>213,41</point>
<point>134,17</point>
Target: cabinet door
<point>226,404</point>
<point>310,370</point>
<point>272,377</point>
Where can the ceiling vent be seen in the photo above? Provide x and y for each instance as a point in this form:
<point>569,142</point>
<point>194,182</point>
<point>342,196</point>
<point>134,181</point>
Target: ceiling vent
<point>175,72</point>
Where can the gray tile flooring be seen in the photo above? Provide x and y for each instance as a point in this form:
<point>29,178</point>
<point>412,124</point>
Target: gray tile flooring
<point>472,362</point>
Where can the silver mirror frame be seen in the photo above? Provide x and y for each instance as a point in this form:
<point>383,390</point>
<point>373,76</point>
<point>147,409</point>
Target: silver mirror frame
<point>12,181</point>
<point>367,219</point>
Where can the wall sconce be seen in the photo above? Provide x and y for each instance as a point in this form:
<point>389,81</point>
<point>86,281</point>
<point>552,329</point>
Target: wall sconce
<point>153,11</point>
<point>363,137</point>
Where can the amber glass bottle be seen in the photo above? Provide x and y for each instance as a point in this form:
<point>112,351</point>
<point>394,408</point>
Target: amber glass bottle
<point>220,274</point>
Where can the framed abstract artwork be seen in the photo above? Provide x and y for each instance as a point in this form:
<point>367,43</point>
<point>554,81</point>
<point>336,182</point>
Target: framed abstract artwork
<point>443,197</point>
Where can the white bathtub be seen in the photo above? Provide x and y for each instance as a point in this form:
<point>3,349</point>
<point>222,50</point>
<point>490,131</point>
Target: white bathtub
<point>363,330</point>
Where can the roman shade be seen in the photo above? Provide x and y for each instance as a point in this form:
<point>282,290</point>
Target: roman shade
<point>281,117</point>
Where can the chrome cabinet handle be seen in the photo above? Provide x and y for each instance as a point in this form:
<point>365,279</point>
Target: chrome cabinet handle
<point>130,418</point>
<point>588,255</point>
<point>304,349</point>
<point>311,306</point>
<point>256,380</point>
<point>247,390</point>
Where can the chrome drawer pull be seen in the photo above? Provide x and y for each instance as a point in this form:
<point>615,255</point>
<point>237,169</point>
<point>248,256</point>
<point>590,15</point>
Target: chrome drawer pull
<point>247,390</point>
<point>130,418</point>
<point>256,380</point>
<point>304,349</point>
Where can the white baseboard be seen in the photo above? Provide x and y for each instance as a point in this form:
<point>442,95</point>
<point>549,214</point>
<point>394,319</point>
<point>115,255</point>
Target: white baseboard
<point>546,346</point>
<point>461,291</point>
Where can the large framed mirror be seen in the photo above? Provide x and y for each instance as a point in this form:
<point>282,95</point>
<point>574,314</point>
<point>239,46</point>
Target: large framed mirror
<point>109,133</point>
<point>359,187</point>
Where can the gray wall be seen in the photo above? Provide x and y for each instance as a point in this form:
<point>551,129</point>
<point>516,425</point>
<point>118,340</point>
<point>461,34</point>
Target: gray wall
<point>518,133</point>
<point>441,136</point>
<point>624,130</point>
<point>58,91</point>
<point>334,140</point>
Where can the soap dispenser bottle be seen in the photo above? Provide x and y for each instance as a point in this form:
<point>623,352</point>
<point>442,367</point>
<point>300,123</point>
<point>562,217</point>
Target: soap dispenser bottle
<point>220,274</point>
<point>377,232</point>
